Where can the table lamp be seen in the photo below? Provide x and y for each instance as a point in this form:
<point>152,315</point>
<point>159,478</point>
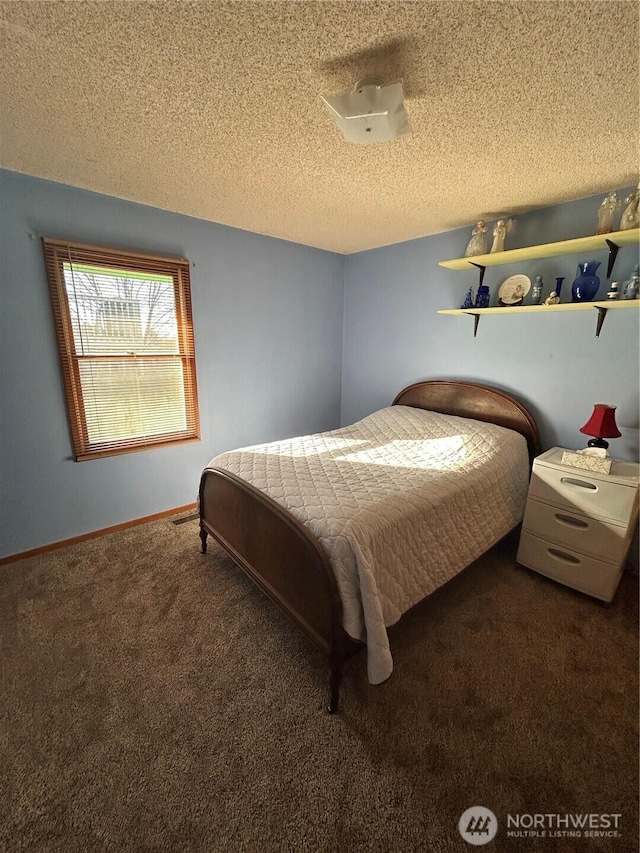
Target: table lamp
<point>601,425</point>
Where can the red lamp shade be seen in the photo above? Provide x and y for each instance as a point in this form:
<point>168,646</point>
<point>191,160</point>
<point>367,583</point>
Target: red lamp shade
<point>601,424</point>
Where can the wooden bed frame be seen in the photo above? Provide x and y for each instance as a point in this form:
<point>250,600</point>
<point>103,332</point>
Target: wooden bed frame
<point>286,560</point>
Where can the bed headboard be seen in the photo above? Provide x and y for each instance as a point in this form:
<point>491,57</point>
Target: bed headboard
<point>468,400</point>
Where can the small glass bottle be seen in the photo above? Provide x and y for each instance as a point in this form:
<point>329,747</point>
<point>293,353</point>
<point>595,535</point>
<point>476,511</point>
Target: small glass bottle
<point>632,287</point>
<point>468,300</point>
<point>536,295</point>
<point>483,296</point>
<point>559,285</point>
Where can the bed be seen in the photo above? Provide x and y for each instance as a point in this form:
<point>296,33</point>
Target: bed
<point>347,530</point>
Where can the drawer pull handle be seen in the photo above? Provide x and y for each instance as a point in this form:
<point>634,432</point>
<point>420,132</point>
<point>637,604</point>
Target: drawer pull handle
<point>571,522</point>
<point>566,558</point>
<point>582,484</point>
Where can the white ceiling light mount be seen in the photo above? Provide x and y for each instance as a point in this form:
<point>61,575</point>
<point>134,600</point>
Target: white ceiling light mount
<point>373,111</point>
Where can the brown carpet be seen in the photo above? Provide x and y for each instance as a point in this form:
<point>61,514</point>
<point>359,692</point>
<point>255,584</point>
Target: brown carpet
<point>153,700</point>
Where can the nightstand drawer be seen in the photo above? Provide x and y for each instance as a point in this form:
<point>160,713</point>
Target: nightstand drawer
<point>575,570</point>
<point>579,532</point>
<point>579,492</point>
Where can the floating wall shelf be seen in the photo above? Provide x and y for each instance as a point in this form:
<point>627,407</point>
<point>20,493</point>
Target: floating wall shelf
<point>601,307</point>
<point>612,242</point>
<point>547,250</point>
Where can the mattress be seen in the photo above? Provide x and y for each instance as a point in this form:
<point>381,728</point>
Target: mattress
<point>401,501</point>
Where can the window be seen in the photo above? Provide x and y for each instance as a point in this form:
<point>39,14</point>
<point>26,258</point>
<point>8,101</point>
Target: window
<point>125,336</point>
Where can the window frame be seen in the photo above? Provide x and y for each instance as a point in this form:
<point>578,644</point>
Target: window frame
<point>56,254</point>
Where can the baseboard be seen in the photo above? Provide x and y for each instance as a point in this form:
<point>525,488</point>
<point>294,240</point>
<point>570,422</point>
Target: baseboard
<point>43,549</point>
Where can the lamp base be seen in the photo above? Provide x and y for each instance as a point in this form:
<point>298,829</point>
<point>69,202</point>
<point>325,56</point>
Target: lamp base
<point>598,442</point>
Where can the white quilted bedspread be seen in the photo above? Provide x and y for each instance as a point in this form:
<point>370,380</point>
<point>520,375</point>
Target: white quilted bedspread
<point>401,501</point>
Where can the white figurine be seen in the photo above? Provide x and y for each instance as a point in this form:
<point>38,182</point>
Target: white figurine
<point>631,216</point>
<point>478,242</point>
<point>606,212</point>
<point>500,231</point>
<point>552,299</point>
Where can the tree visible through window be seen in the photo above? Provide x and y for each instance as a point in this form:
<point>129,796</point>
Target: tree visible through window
<point>125,336</point>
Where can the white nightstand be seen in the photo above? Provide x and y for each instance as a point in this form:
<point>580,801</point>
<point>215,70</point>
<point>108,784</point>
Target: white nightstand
<point>578,525</point>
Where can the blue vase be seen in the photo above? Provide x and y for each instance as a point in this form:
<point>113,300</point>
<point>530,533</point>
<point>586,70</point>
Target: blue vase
<point>586,285</point>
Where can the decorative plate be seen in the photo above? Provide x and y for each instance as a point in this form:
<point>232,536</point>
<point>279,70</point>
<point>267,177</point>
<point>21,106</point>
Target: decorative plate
<point>514,289</point>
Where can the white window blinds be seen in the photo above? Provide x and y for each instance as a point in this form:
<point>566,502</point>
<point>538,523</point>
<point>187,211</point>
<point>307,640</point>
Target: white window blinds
<point>125,335</point>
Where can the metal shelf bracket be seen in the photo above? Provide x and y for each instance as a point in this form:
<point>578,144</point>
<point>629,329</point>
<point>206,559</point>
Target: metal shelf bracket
<point>482,269</point>
<point>602,313</point>
<point>613,254</point>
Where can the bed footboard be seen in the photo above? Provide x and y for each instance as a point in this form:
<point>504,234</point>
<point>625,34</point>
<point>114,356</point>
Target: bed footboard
<point>282,557</point>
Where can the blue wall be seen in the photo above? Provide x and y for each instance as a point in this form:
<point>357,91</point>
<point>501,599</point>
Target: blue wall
<point>555,364</point>
<point>268,331</point>
<point>273,348</point>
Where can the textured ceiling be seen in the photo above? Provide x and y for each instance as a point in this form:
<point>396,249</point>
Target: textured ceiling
<point>212,109</point>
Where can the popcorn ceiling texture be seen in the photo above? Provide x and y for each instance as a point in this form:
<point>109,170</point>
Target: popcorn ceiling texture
<point>212,109</point>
